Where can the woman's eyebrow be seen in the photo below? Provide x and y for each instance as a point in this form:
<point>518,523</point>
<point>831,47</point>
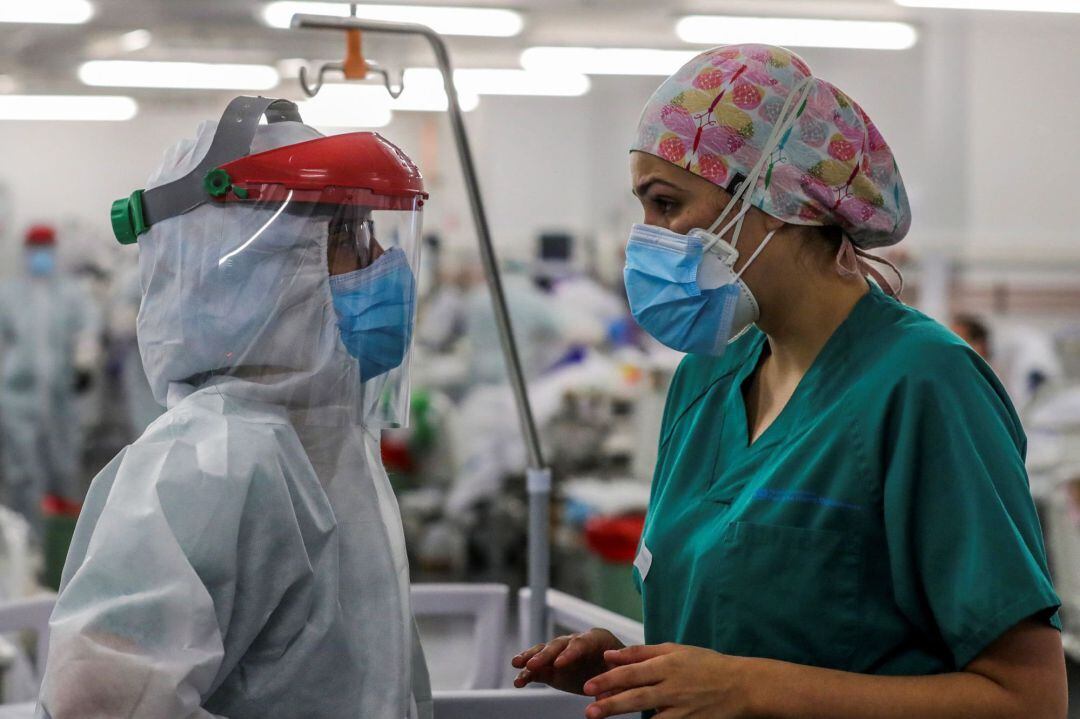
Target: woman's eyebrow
<point>648,182</point>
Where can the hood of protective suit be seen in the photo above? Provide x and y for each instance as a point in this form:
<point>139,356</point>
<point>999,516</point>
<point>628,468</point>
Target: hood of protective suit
<point>243,292</point>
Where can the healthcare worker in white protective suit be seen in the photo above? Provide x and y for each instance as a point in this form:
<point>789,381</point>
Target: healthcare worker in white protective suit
<point>49,337</point>
<point>244,557</point>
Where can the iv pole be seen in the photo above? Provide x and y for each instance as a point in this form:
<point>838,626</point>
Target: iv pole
<point>538,476</point>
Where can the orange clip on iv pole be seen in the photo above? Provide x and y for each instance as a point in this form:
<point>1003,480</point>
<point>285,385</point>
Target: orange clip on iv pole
<point>355,66</point>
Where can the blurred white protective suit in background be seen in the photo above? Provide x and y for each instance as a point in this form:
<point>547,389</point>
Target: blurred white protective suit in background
<point>538,330</point>
<point>1026,359</point>
<point>47,327</point>
<point>142,408</point>
<point>244,557</point>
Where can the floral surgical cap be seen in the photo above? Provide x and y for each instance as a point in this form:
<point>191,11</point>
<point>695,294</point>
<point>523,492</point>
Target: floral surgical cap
<point>713,116</point>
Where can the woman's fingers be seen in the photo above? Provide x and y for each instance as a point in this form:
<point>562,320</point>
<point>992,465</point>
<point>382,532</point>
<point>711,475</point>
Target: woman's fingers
<point>635,700</point>
<point>528,676</point>
<point>520,660</point>
<point>623,678</point>
<point>546,656</point>
<point>523,678</point>
<point>578,647</point>
<point>637,653</point>
<point>561,661</point>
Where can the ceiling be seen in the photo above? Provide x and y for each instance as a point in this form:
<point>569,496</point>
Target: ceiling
<point>43,59</point>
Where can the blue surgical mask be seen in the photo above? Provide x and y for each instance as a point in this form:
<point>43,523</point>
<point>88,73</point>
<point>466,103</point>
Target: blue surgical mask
<point>41,262</point>
<point>661,277</point>
<point>375,312</point>
<point>684,291</point>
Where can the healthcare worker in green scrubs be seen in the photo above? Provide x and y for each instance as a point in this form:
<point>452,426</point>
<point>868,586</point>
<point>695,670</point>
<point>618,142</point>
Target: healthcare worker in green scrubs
<point>840,523</point>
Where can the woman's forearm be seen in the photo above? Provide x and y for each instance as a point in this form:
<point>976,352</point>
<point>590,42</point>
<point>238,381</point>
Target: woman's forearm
<point>1020,676</point>
<point>792,691</point>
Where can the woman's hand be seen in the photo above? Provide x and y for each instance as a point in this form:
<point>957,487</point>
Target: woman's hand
<point>678,681</point>
<point>566,662</point>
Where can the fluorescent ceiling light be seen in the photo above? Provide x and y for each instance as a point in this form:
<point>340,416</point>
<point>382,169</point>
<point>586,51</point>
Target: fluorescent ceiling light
<point>115,45</point>
<point>797,32</point>
<point>213,76</point>
<point>330,109</point>
<point>135,40</point>
<point>63,12</point>
<point>487,22</point>
<point>505,81</point>
<point>605,61</point>
<point>354,105</point>
<point>1069,6</point>
<point>67,107</point>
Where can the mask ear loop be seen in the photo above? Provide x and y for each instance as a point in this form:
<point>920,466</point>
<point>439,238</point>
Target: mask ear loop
<point>854,261</point>
<point>785,121</point>
<point>757,252</point>
<point>737,220</point>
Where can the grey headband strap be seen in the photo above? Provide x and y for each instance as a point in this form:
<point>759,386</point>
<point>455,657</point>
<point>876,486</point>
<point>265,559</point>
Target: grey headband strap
<point>232,140</point>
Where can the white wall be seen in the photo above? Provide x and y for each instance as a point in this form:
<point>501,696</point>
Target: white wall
<point>1024,144</point>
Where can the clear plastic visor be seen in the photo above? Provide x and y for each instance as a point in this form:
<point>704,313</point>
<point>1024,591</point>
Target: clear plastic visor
<point>373,257</point>
<point>296,299</point>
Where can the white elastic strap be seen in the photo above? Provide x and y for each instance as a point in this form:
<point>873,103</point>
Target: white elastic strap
<point>717,236</point>
<point>737,232</point>
<point>784,122</point>
<point>756,253</point>
<point>736,222</point>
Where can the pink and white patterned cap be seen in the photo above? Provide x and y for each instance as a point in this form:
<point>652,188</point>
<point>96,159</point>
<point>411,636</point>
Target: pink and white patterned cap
<point>833,167</point>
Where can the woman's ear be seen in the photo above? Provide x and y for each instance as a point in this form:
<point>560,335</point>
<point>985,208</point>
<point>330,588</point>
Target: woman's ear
<point>772,224</point>
<point>817,246</point>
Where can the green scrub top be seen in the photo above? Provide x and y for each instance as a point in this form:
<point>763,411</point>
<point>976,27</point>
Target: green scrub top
<point>882,524</point>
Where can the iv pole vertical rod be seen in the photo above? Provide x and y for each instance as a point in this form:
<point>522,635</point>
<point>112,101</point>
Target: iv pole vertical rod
<point>538,476</point>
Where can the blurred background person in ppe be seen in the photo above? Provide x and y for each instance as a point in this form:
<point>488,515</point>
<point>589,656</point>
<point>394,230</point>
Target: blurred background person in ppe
<point>1025,358</point>
<point>537,328</point>
<point>244,557</point>
<point>974,331</point>
<point>1029,363</point>
<point>590,313</point>
<point>840,521</point>
<point>50,347</point>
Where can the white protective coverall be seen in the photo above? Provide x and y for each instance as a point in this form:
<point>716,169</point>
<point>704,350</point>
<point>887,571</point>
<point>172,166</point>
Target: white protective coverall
<point>244,557</point>
<point>46,325</point>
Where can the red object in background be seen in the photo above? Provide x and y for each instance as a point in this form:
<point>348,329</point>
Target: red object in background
<point>54,506</point>
<point>615,539</point>
<point>396,456</point>
<point>41,235</point>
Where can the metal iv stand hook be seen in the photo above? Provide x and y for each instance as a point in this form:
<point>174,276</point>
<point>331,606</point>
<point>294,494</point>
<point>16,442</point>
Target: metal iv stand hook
<point>354,67</point>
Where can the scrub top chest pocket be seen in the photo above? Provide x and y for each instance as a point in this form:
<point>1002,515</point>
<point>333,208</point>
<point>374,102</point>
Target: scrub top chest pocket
<point>787,593</point>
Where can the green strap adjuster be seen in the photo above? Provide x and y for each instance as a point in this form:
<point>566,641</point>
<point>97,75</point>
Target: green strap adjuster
<point>217,183</point>
<point>128,221</point>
